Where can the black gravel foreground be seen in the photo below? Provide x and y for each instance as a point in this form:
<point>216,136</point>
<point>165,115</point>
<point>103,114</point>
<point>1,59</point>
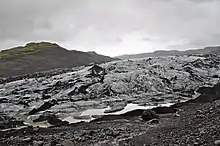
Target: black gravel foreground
<point>194,124</point>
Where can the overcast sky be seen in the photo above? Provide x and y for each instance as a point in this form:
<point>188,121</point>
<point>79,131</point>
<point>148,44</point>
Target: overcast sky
<point>111,27</point>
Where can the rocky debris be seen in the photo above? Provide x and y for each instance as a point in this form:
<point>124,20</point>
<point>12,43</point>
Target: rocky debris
<point>149,115</point>
<point>158,81</point>
<point>43,107</point>
<point>187,129</point>
<point>138,79</point>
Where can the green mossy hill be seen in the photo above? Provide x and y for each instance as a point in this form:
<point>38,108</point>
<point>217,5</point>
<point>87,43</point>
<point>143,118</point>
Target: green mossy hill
<point>37,57</point>
<point>27,49</point>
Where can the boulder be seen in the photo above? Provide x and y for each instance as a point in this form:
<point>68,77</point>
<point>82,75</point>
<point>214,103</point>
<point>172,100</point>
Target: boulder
<point>148,115</point>
<point>96,70</point>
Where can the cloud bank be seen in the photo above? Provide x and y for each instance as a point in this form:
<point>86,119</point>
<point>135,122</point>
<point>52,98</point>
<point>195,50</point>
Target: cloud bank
<point>111,27</point>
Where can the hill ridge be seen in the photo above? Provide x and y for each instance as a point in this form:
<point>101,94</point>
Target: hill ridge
<point>43,56</point>
<point>206,50</point>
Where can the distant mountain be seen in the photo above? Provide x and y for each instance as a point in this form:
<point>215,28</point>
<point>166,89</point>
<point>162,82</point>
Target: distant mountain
<point>207,50</point>
<point>36,57</point>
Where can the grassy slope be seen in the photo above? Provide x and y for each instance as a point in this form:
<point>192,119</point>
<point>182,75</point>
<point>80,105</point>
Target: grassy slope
<point>35,57</point>
<point>26,50</point>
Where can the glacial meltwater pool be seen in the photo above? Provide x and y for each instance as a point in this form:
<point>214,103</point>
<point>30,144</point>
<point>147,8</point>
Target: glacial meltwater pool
<point>88,115</point>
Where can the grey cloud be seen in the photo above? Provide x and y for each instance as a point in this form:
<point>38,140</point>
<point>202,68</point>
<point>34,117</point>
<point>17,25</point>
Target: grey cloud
<point>108,24</point>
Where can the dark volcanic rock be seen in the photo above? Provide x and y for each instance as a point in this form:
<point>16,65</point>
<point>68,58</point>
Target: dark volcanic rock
<point>97,71</point>
<point>3,100</point>
<point>149,115</point>
<point>44,107</point>
<point>157,99</point>
<point>46,96</point>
